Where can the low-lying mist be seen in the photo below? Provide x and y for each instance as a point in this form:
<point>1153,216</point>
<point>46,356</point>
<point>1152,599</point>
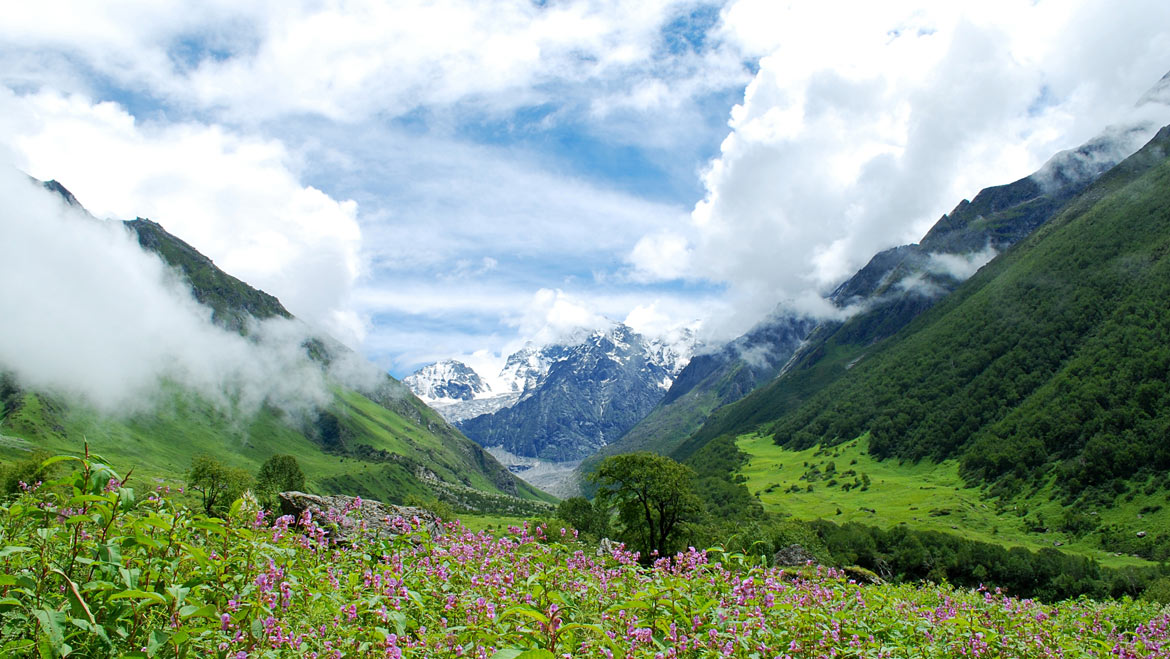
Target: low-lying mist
<point>90,315</point>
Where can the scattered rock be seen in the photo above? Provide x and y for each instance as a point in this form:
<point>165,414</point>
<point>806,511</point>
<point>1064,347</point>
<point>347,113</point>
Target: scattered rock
<point>1141,534</point>
<point>792,555</point>
<point>344,515</point>
<point>606,547</point>
<point>862,575</point>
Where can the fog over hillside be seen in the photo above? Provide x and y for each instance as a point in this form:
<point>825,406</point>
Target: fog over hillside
<point>89,313</point>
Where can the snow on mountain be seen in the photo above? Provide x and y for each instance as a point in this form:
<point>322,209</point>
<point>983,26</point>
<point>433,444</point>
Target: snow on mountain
<point>577,398</point>
<point>446,381</point>
<point>613,372</point>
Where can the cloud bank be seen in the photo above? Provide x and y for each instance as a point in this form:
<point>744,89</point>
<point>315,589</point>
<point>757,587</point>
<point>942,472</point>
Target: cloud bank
<point>90,315</point>
<point>501,149</point>
<point>237,199</point>
<point>857,135</point>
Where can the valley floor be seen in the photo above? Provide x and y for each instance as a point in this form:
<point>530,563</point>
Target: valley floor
<point>831,483</point>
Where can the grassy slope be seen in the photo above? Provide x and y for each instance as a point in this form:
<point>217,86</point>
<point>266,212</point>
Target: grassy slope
<point>160,445</point>
<point>924,495</point>
<point>973,380</point>
<point>1029,325</point>
<point>951,354</point>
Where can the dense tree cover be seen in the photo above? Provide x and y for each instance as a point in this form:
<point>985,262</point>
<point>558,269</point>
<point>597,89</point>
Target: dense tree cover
<point>1054,356</point>
<point>905,554</point>
<point>654,499</point>
<point>588,517</point>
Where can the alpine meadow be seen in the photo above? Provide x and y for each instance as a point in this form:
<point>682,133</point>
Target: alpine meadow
<point>585,328</point>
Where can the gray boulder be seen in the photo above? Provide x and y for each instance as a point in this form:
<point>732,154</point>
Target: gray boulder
<point>792,555</point>
<point>347,517</point>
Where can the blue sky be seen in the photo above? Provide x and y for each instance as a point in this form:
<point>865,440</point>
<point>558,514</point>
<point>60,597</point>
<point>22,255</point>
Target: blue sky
<point>451,179</point>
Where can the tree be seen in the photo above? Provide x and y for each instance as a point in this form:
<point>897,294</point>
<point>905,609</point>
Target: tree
<point>280,473</point>
<point>654,498</point>
<point>588,518</point>
<point>29,471</point>
<point>218,483</point>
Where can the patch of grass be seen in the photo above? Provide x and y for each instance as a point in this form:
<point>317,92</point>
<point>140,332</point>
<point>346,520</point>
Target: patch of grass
<point>924,495</point>
<point>403,452</point>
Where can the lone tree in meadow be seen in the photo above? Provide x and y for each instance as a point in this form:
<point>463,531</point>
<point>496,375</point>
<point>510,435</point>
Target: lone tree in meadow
<point>280,473</point>
<point>219,484</point>
<point>654,498</point>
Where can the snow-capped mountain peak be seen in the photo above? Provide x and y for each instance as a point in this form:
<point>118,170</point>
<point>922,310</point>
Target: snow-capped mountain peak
<point>446,381</point>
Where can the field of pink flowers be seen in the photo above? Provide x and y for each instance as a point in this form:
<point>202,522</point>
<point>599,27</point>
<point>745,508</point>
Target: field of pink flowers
<point>87,570</point>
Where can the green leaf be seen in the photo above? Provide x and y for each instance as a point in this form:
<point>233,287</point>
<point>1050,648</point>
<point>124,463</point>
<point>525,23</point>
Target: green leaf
<point>196,611</point>
<point>158,638</point>
<point>145,541</point>
<point>91,498</point>
<point>399,622</point>
<point>126,497</point>
<point>152,598</point>
<point>526,611</point>
<point>17,648</point>
<point>521,653</point>
<point>180,637</point>
<point>75,599</point>
<point>110,553</point>
<point>9,551</point>
<point>630,604</point>
<point>50,622</point>
<point>211,525</point>
<point>59,458</point>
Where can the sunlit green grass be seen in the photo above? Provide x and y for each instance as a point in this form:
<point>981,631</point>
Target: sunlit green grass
<point>162,443</point>
<point>923,495</point>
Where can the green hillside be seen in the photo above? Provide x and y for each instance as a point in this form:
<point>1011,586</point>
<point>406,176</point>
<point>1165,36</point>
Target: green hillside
<point>892,289</point>
<point>381,442</point>
<point>1044,376</point>
<point>355,446</point>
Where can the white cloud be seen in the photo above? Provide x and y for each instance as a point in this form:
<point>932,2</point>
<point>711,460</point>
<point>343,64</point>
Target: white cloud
<point>447,202</point>
<point>856,135</point>
<point>960,266</point>
<point>346,60</point>
<point>554,316</point>
<point>89,314</point>
<point>853,135</point>
<point>660,256</point>
<point>236,199</point>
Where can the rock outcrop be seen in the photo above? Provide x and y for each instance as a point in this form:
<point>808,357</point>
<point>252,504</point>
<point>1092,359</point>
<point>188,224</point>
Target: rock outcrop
<point>347,517</point>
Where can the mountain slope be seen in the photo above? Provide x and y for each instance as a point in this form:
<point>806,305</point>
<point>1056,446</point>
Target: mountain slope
<point>900,283</point>
<point>893,288</point>
<point>709,381</point>
<point>1048,366</point>
<point>373,437</point>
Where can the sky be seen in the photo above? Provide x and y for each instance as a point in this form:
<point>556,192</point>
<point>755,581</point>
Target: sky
<point>450,178</point>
